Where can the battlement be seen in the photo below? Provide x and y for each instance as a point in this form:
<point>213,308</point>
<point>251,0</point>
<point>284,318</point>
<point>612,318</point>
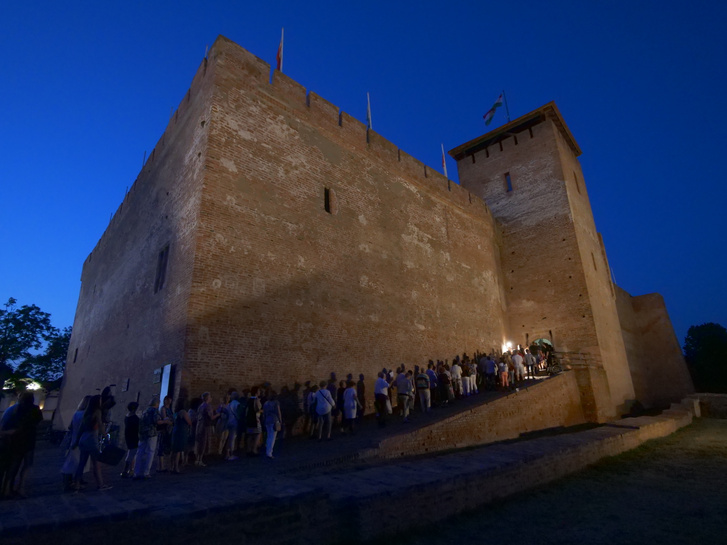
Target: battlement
<point>291,96</point>
<point>514,128</point>
<point>311,108</point>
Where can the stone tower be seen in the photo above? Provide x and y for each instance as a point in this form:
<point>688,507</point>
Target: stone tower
<point>557,279</point>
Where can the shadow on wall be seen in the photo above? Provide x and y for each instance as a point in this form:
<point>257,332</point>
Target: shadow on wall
<point>313,325</point>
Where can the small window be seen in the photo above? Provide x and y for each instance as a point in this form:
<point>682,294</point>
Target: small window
<point>75,355</point>
<point>508,182</point>
<point>330,203</point>
<point>594,261</point>
<point>161,275</point>
<point>578,186</point>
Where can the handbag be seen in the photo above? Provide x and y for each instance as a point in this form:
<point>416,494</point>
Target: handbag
<point>66,442</point>
<point>278,426</point>
<point>111,455</point>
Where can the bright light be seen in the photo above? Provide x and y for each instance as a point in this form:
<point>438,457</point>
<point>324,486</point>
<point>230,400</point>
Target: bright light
<point>33,386</point>
<point>507,346</point>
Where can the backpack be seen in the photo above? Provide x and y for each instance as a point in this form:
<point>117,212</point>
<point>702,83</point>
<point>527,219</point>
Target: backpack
<point>312,404</point>
<point>251,414</point>
<point>148,423</point>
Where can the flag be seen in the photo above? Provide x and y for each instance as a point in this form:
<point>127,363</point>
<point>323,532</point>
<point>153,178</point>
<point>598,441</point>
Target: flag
<point>491,113</point>
<point>444,163</point>
<point>368,113</point>
<point>279,56</point>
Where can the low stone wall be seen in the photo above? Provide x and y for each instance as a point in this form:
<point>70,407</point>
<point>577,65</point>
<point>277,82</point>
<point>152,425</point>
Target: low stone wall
<point>552,403</point>
<point>355,506</point>
<point>712,405</point>
<point>480,477</point>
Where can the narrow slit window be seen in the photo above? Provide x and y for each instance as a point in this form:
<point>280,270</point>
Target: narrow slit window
<point>161,275</point>
<point>327,200</point>
<point>508,182</point>
<point>594,261</point>
<point>578,186</point>
<point>75,355</point>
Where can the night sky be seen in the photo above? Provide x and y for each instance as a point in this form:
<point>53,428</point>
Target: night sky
<point>87,89</point>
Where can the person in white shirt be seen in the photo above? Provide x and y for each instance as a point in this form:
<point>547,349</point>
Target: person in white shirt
<point>351,404</point>
<point>405,392</point>
<point>518,360</point>
<point>456,372</point>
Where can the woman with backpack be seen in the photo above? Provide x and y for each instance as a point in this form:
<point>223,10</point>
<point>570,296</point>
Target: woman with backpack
<point>205,429</point>
<point>324,407</point>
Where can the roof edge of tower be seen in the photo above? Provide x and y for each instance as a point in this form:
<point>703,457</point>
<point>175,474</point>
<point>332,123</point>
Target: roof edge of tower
<point>547,111</point>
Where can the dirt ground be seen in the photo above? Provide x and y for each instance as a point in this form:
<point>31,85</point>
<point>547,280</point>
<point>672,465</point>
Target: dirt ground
<point>668,491</point>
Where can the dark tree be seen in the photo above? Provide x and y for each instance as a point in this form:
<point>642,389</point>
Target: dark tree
<point>49,365</point>
<point>29,345</point>
<point>705,349</point>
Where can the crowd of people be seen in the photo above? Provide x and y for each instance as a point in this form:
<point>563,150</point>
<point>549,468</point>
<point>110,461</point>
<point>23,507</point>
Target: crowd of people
<point>175,435</point>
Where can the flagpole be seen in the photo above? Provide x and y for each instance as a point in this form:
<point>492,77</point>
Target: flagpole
<point>507,109</point>
<point>282,36</point>
<point>368,111</point>
<point>444,162</point>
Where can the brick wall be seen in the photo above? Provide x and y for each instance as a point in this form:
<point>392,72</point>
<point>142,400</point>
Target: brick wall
<point>655,358</point>
<point>712,405</point>
<point>599,287</point>
<point>404,268</point>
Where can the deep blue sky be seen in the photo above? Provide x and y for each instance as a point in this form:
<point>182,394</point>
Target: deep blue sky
<point>87,88</point>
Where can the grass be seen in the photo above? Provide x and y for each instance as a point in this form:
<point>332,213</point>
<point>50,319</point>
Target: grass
<point>668,491</point>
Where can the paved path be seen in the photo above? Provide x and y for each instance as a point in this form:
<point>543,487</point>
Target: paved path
<point>300,465</point>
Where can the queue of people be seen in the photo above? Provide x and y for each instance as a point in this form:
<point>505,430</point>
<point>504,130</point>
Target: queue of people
<point>183,433</point>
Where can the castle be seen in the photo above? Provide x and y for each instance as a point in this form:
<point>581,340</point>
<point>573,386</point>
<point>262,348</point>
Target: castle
<point>271,237</point>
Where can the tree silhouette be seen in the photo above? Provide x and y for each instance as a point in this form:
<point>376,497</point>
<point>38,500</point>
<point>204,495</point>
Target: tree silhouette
<point>705,349</point>
<point>29,345</point>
